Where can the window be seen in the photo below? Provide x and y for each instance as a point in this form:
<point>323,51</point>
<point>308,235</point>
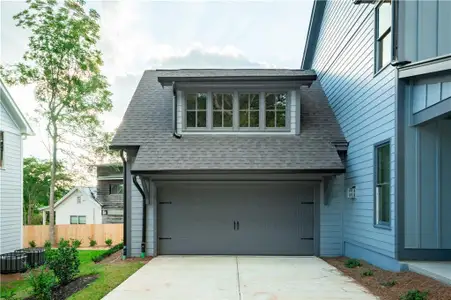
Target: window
<point>383,34</point>
<point>222,110</point>
<point>78,199</point>
<point>116,188</point>
<point>249,110</point>
<point>382,189</point>
<point>196,110</point>
<point>2,149</point>
<point>275,110</point>
<point>78,219</point>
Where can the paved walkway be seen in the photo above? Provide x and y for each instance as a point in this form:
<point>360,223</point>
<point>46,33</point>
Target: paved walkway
<point>238,278</point>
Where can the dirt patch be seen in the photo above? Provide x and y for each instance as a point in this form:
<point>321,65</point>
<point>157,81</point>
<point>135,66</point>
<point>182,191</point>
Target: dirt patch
<point>116,258</point>
<point>381,280</point>
<point>11,277</point>
<point>65,291</point>
<point>112,258</point>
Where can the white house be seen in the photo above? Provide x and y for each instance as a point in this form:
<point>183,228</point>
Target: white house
<point>78,206</point>
<point>13,129</point>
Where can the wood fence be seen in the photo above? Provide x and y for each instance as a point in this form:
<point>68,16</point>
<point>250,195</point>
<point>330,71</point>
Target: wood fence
<point>97,232</point>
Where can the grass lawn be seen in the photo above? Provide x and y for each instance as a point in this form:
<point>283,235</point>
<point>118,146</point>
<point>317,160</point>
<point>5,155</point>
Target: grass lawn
<point>110,276</point>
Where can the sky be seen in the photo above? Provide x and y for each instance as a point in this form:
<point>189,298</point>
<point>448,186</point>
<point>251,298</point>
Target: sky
<point>140,35</point>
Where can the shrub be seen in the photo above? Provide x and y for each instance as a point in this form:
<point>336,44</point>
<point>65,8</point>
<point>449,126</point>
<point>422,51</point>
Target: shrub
<point>352,263</point>
<point>8,295</point>
<point>47,245</point>
<point>63,261</point>
<point>389,283</point>
<point>32,244</point>
<point>109,242</point>
<point>107,253</point>
<point>92,242</point>
<point>415,295</point>
<point>368,273</point>
<point>76,243</point>
<point>42,282</point>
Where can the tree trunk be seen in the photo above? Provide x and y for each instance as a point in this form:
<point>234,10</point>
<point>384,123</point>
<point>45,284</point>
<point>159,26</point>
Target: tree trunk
<point>52,191</point>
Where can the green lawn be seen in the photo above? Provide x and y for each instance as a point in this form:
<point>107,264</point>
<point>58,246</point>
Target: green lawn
<point>110,276</point>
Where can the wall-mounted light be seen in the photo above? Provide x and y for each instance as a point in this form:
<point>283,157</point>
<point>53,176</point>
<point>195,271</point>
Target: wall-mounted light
<point>104,212</point>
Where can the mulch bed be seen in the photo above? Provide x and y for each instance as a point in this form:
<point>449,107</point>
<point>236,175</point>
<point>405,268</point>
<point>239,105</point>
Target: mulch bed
<point>65,291</point>
<point>4,278</point>
<point>405,281</point>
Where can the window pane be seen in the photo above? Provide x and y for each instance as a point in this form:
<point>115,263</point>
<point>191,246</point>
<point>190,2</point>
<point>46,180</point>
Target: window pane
<point>201,101</point>
<point>270,101</point>
<point>244,101</point>
<point>254,101</point>
<point>217,119</point>
<point>191,119</point>
<point>82,220</point>
<point>385,50</point>
<point>217,101</point>
<point>201,119</point>
<point>270,119</point>
<point>384,17</point>
<point>191,101</point>
<point>384,203</point>
<point>280,119</point>
<point>244,119</point>
<point>281,101</point>
<point>383,172</point>
<point>228,101</point>
<point>228,118</point>
<point>73,219</point>
<point>254,119</point>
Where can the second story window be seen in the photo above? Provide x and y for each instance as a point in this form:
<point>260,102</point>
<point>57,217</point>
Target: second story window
<point>116,188</point>
<point>249,110</point>
<point>222,110</point>
<point>275,109</point>
<point>383,34</point>
<point>196,110</point>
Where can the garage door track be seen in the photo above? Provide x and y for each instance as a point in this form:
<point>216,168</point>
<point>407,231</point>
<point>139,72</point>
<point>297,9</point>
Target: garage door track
<point>238,278</point>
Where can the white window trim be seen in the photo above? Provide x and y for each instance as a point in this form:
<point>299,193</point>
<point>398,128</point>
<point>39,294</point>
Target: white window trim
<point>262,129</point>
<point>377,39</point>
<point>377,188</point>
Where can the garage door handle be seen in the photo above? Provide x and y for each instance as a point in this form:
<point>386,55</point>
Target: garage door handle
<point>238,225</point>
<point>234,225</point>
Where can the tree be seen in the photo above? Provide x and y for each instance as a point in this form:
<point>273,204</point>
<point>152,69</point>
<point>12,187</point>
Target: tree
<point>37,181</point>
<point>63,61</point>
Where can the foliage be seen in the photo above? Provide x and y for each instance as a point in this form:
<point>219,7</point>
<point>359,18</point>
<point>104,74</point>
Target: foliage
<point>368,273</point>
<point>415,295</point>
<point>32,244</point>
<point>352,263</point>
<point>107,253</point>
<point>8,294</point>
<point>42,281</point>
<point>92,242</point>
<point>47,245</point>
<point>389,283</point>
<point>36,184</point>
<point>63,61</point>
<point>63,261</point>
<point>76,243</point>
<point>109,242</point>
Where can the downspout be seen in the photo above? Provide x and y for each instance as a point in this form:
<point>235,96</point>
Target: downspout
<point>124,166</point>
<point>144,228</point>
<point>174,104</point>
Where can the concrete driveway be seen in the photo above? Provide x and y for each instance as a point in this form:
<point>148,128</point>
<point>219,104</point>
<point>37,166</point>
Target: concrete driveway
<point>238,278</point>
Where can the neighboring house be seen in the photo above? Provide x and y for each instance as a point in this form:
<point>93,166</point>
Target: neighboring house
<point>78,206</point>
<point>110,192</point>
<point>231,162</point>
<point>386,70</point>
<point>13,128</point>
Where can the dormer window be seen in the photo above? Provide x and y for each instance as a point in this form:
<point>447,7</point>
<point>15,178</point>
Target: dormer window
<point>249,110</point>
<point>196,110</point>
<point>275,108</point>
<point>222,110</point>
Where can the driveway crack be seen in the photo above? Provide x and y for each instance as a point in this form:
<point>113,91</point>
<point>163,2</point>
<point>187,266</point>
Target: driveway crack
<point>238,277</point>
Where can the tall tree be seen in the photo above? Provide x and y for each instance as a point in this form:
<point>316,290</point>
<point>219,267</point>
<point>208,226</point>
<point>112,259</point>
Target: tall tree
<point>64,63</point>
<point>37,181</point>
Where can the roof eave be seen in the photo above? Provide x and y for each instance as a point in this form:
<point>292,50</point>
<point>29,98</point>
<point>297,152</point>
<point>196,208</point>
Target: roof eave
<point>312,33</point>
<point>244,171</point>
<point>168,80</point>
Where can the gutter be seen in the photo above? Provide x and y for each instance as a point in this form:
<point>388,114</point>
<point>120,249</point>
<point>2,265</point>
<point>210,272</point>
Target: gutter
<point>144,224</point>
<point>174,102</point>
<point>124,180</point>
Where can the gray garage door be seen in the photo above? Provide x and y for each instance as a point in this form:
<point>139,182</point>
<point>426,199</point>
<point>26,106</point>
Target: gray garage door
<point>244,218</point>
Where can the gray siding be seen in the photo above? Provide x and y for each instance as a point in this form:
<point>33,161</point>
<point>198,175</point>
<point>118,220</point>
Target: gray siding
<point>113,203</point>
<point>364,105</point>
<point>424,29</point>
<point>10,185</point>
<point>331,219</point>
<point>426,94</point>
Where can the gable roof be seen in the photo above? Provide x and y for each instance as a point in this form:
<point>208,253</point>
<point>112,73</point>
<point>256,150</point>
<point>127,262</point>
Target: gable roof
<point>147,124</point>
<point>91,192</point>
<point>316,19</point>
<point>14,110</point>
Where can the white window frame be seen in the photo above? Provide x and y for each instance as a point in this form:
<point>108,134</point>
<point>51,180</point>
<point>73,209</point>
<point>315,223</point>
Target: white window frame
<point>380,37</point>
<point>77,219</point>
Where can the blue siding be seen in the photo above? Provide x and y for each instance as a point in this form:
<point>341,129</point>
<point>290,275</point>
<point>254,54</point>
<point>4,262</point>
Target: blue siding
<point>364,105</point>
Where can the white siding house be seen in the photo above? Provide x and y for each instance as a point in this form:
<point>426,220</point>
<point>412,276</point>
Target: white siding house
<point>78,206</point>
<point>13,128</point>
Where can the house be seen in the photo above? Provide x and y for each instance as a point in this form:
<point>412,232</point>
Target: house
<point>385,67</point>
<point>78,206</point>
<point>231,161</point>
<point>13,129</point>
<point>110,192</point>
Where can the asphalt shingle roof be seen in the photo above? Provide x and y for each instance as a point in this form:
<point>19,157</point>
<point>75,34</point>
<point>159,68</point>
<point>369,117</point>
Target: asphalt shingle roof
<point>148,123</point>
<point>204,73</point>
